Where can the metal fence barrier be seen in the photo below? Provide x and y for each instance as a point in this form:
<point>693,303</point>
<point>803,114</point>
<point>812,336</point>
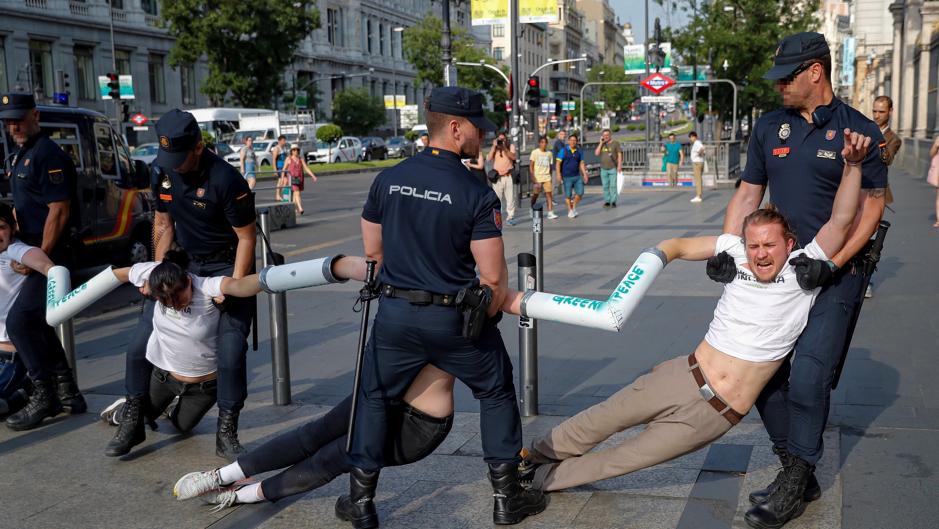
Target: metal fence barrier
<point>277,305</point>
<point>530,269</point>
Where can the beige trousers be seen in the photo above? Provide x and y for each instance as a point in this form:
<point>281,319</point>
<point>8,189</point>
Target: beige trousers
<point>505,190</point>
<point>698,175</point>
<point>671,171</point>
<point>678,420</point>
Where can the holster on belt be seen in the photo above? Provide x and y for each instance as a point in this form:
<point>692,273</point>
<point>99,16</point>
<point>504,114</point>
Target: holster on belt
<point>473,304</point>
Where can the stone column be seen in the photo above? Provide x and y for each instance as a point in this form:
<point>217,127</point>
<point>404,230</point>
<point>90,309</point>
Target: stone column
<point>930,17</point>
<point>912,26</point>
<point>896,71</point>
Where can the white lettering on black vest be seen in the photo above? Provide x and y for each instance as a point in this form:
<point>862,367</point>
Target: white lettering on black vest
<point>429,194</point>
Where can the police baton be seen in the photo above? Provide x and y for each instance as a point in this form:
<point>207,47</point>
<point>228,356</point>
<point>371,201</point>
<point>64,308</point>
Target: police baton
<point>366,295</point>
<point>871,258</point>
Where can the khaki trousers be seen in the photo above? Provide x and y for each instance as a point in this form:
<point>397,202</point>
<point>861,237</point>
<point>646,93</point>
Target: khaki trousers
<point>667,400</point>
<point>698,175</point>
<point>505,190</point>
<point>671,171</point>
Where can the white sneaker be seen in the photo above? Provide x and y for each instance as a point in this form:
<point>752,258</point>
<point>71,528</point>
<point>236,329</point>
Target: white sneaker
<point>696,199</point>
<point>222,500</point>
<point>570,214</point>
<point>196,484</point>
<point>869,293</point>
<point>574,213</point>
<point>552,215</point>
<point>112,414</point>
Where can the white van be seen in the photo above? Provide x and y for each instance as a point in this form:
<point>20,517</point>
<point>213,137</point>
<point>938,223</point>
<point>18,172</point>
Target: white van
<point>223,122</point>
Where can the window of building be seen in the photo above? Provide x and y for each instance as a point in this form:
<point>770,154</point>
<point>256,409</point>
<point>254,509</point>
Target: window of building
<point>3,66</point>
<point>117,4</point>
<point>187,83</point>
<point>40,64</point>
<point>381,40</point>
<point>497,53</point>
<point>122,58</point>
<point>371,34</point>
<point>150,7</point>
<point>460,17</point>
<point>85,73</point>
<point>498,30</point>
<point>157,78</point>
<point>334,26</point>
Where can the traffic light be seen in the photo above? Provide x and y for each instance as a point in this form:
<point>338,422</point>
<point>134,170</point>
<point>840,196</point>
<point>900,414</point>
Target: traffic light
<point>61,92</point>
<point>533,94</point>
<point>125,112</point>
<point>114,86</point>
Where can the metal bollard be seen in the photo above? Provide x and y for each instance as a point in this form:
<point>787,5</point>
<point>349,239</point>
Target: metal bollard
<point>527,342</point>
<point>277,305</point>
<point>537,244</point>
<point>66,332</point>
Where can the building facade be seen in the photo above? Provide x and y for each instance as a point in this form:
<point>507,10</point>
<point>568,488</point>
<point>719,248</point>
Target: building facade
<point>532,49</point>
<point>603,29</point>
<point>566,41</point>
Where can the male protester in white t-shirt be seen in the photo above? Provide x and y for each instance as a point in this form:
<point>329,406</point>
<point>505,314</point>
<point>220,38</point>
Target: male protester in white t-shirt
<point>697,163</point>
<point>689,401</point>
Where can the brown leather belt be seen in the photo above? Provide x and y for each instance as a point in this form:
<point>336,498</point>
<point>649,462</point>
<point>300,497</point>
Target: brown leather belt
<point>708,394</point>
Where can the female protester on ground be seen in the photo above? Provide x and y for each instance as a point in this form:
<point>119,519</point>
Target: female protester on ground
<point>249,162</point>
<point>315,453</point>
<point>16,261</point>
<point>295,168</point>
<point>182,347</point>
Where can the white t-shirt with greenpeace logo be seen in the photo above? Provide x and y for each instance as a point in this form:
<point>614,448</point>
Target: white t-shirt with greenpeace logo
<point>760,322</point>
<point>10,282</point>
<point>184,342</point>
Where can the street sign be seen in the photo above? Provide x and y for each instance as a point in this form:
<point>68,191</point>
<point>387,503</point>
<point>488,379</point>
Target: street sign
<point>570,106</point>
<point>605,122</point>
<point>139,119</point>
<point>657,82</point>
<point>659,99</point>
<point>394,101</point>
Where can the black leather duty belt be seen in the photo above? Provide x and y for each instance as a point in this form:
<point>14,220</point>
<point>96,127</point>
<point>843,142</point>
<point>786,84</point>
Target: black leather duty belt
<point>418,297</point>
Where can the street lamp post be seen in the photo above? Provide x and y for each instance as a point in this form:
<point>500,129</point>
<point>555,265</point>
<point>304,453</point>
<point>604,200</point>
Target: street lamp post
<point>394,83</point>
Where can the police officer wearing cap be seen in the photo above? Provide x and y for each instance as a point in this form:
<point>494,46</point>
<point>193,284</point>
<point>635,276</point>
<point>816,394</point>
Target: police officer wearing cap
<point>794,151</point>
<point>44,184</point>
<point>206,206</point>
<point>430,224</point>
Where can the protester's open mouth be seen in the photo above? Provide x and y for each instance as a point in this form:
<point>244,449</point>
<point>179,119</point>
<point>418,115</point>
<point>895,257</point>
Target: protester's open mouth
<point>764,267</point>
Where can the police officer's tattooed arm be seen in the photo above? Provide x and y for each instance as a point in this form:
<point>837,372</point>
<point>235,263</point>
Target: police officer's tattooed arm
<point>493,272</point>
<point>870,210</point>
<point>55,224</point>
<point>371,239</point>
<point>244,252</point>
<point>163,233</point>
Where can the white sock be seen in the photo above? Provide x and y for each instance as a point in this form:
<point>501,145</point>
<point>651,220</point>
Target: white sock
<point>231,473</point>
<point>249,493</point>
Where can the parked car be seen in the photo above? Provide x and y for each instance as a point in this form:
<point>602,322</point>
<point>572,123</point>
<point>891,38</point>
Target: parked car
<point>146,153</point>
<point>223,149</point>
<point>345,149</point>
<point>374,148</point>
<point>399,147</point>
<point>300,140</point>
<point>263,151</point>
<point>113,199</point>
<point>238,139</point>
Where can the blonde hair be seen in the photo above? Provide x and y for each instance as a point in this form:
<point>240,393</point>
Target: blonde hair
<point>769,214</point>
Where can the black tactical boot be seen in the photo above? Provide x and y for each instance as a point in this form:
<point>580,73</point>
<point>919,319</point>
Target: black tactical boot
<point>42,404</point>
<point>785,503</point>
<point>358,506</point>
<point>226,436</point>
<point>130,431</point>
<point>68,393</point>
<point>511,503</point>
<point>812,489</point>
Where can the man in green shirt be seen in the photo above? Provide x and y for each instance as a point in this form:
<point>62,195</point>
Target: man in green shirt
<point>611,163</point>
<point>674,157</point>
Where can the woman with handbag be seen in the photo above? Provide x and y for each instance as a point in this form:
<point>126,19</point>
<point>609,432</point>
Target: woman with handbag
<point>296,168</point>
<point>932,177</point>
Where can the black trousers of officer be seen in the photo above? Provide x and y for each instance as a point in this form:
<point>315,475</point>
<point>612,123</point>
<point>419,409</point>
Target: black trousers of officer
<point>35,341</point>
<point>233,329</point>
<point>407,337</point>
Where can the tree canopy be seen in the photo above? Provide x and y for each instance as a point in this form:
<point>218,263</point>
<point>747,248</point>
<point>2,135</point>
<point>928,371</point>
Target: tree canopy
<point>357,112</point>
<point>617,97</point>
<point>248,45</point>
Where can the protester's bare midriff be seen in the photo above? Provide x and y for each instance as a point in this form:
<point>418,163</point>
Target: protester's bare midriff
<point>737,381</point>
<point>195,380</point>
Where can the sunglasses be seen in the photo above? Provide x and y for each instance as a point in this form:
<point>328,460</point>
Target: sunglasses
<point>795,73</point>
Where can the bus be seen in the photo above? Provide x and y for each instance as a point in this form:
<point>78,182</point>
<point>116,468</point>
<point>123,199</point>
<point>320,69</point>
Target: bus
<point>223,122</point>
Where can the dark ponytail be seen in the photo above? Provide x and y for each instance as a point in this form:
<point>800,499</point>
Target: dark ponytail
<point>169,278</point>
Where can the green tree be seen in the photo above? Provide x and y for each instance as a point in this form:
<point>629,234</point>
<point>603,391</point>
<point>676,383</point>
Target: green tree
<point>590,109</point>
<point>248,45</point>
<point>617,97</point>
<point>328,133</point>
<point>357,112</point>
<point>746,36</point>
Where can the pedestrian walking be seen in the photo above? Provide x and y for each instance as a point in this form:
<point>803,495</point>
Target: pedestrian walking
<point>795,151</point>
<point>572,174</point>
<point>297,170</point>
<point>203,204</point>
<point>559,143</point>
<point>279,154</point>
<point>611,164</point>
<point>502,155</point>
<point>249,162</point>
<point>44,184</point>
<point>431,225</point>
<point>881,113</point>
<point>673,157</point>
<point>697,164</point>
<point>539,167</point>
<point>933,176</point>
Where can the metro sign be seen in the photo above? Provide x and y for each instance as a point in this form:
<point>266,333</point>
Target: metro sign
<point>657,83</point>
<point>139,120</point>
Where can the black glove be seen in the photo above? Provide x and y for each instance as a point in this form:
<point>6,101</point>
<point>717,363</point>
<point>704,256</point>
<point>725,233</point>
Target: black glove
<point>721,268</point>
<point>812,273</point>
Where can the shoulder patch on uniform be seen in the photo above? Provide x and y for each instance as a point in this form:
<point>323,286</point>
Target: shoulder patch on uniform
<point>830,134</point>
<point>497,218</point>
<point>200,192</point>
<point>56,176</point>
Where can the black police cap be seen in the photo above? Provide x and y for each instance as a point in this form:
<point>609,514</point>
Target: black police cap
<point>15,106</point>
<point>463,102</point>
<point>795,50</point>
<point>178,134</point>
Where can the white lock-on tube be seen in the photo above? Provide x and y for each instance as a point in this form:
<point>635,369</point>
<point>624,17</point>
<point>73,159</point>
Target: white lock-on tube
<point>609,315</point>
<point>302,274</point>
<point>63,303</point>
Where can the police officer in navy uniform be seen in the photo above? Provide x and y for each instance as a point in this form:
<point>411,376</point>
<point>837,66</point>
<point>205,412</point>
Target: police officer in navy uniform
<point>206,205</point>
<point>430,224</point>
<point>794,150</point>
<point>44,184</point>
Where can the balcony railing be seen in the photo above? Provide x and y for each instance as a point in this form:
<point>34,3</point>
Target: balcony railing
<point>79,9</point>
